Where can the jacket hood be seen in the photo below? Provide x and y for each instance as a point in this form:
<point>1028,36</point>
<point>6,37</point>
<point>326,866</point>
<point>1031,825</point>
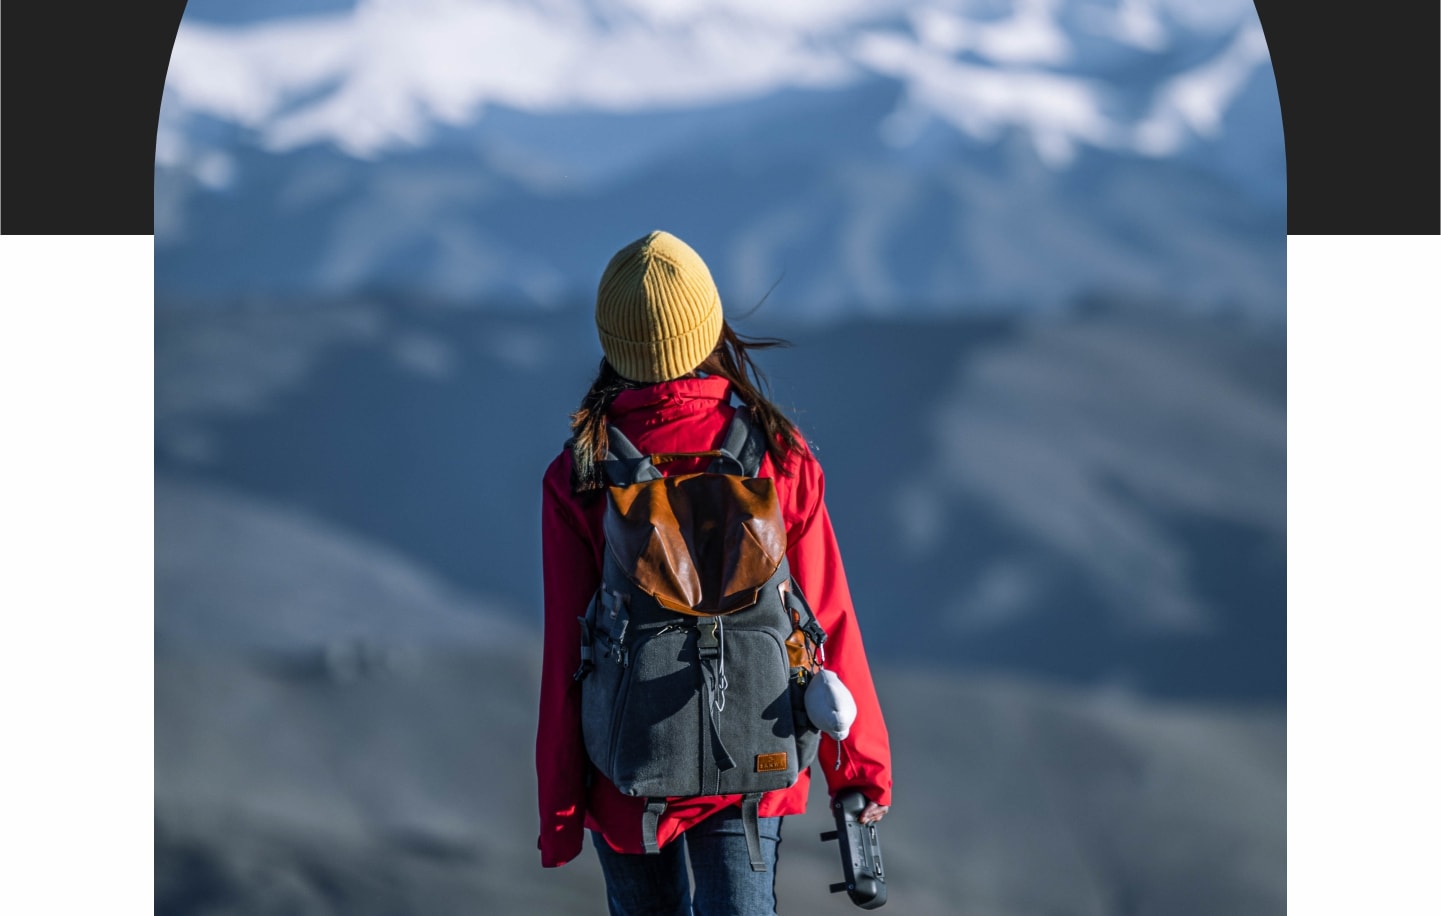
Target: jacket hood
<point>675,398</point>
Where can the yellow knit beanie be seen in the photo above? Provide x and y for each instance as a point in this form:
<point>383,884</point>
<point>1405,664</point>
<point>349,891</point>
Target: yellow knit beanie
<point>657,310</point>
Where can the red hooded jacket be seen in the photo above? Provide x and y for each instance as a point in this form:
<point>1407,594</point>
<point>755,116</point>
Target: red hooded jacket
<point>688,414</point>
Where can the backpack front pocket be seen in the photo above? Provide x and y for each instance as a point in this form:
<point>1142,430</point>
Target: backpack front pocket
<point>756,724</point>
<point>654,750</point>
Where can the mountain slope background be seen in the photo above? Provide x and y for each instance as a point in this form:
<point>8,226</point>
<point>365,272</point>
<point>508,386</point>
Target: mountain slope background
<point>1031,254</point>
<point>330,769</point>
<point>1098,498</point>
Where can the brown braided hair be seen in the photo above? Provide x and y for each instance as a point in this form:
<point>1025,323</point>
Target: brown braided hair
<point>730,360</point>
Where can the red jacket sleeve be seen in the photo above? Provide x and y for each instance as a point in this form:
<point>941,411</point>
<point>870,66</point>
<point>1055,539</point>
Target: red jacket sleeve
<point>815,561</point>
<point>570,579</point>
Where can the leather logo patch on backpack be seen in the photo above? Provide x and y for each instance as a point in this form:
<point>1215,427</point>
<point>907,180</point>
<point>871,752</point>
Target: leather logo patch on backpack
<point>768,763</point>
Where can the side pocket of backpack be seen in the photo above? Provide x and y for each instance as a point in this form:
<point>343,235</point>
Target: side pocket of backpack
<point>598,692</point>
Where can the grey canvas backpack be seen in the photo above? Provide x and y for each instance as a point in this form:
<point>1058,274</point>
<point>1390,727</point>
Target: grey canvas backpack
<point>698,645</point>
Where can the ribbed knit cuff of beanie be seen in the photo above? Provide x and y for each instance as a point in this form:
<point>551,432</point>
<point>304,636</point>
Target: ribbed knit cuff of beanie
<point>657,311</point>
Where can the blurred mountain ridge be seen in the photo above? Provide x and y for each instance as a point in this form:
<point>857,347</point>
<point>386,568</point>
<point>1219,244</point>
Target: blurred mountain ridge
<point>1097,498</point>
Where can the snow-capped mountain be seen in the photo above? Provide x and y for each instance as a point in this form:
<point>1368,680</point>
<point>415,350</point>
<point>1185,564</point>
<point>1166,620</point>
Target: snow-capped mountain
<point>877,156</point>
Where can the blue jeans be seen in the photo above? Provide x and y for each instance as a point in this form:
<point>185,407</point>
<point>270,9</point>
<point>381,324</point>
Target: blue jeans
<point>656,885</point>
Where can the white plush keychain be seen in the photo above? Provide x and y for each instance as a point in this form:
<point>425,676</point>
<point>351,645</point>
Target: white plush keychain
<point>829,704</point>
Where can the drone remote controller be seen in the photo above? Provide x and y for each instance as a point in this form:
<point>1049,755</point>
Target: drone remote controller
<point>860,852</point>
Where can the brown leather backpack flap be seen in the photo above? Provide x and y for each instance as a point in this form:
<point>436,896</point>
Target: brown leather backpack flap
<point>700,544</point>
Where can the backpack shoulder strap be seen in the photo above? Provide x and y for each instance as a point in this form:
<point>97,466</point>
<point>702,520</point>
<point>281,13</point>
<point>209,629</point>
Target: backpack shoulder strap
<point>624,464</point>
<point>743,447</point>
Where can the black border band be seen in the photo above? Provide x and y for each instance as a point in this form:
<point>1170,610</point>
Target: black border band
<point>1360,103</point>
<point>80,98</point>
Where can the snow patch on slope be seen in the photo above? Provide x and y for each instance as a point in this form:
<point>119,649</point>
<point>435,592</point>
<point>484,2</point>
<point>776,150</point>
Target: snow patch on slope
<point>383,76</point>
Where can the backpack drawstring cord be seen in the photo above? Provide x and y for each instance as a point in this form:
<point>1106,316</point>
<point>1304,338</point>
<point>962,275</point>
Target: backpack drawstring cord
<point>719,697</point>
